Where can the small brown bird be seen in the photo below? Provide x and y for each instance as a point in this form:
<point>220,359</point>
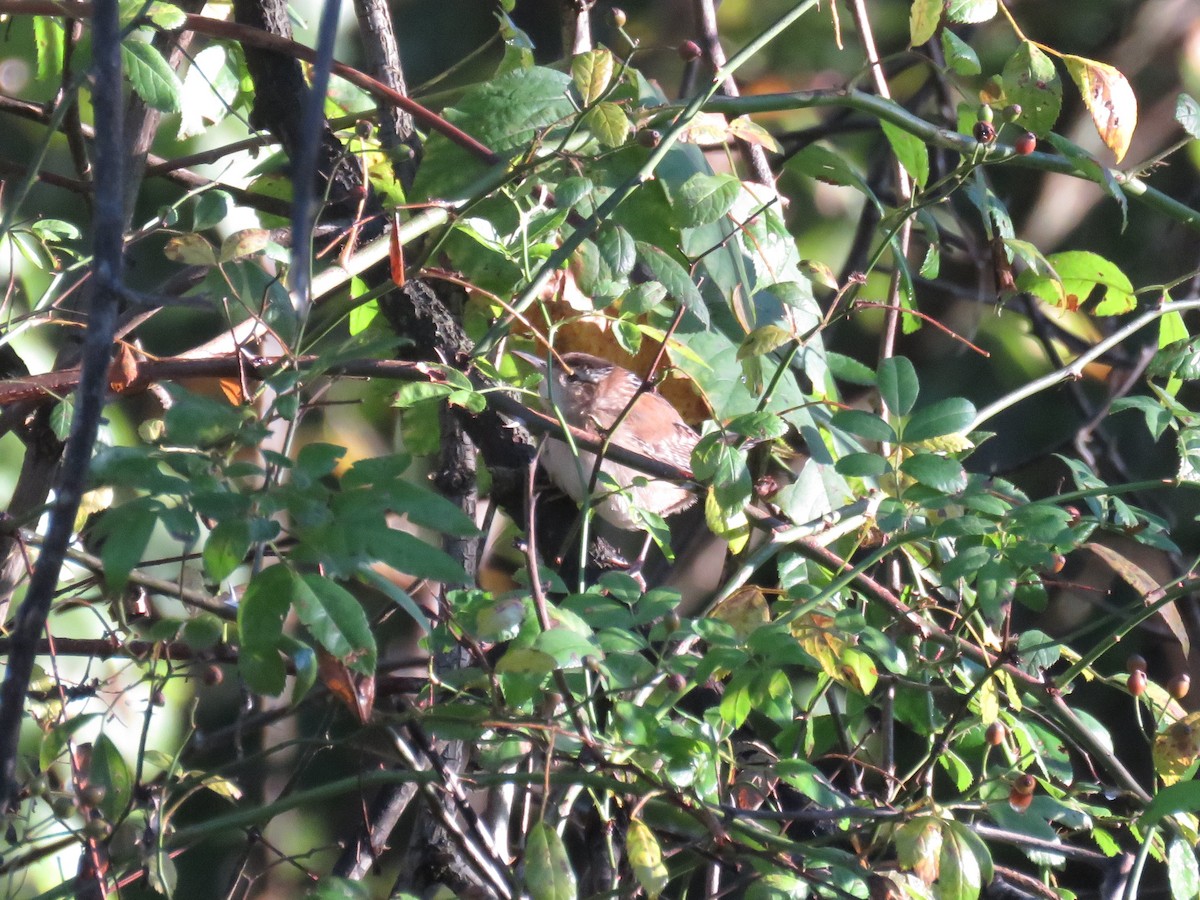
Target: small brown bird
<point>592,393</point>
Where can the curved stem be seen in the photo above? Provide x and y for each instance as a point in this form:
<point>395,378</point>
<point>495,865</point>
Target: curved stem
<point>1075,368</point>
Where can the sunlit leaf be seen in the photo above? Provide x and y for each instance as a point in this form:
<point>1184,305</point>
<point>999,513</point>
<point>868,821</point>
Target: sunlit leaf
<point>960,56</point>
<point>645,857</point>
<point>923,20</point>
<point>1110,100</point>
<point>548,873</point>
<point>609,123</point>
<point>591,73</point>
<point>153,80</point>
<point>1031,81</point>
<point>910,150</point>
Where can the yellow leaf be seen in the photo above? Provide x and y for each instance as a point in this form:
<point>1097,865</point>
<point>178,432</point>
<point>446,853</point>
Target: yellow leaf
<point>744,610</point>
<point>645,858</point>
<point>1109,98</point>
<point>1176,748</point>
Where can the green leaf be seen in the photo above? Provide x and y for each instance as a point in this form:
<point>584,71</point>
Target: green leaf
<point>212,208</point>
<point>863,424</point>
<point>411,555</point>
<point>49,40</point>
<point>910,150</point>
<point>150,76</point>
<point>166,16</point>
<point>337,621</point>
<point>949,416</point>
<point>861,465</point>
<point>969,11</point>
<point>898,387</point>
<point>1080,273</point>
<point>505,113</point>
<point>848,369</point>
<point>960,56</point>
<point>1032,82</point>
<point>1187,114</point>
<point>937,472</point>
<point>609,123</point>
<point>645,857</point>
<point>547,873</point>
<point>763,340</point>
<point>1178,798</point>
<point>923,20</point>
<point>819,162</point>
<point>591,73</point>
<point>1182,871</point>
<point>963,860</point>
<point>226,547</point>
<point>261,612</point>
<point>125,531</point>
<point>705,198</point>
<point>109,770</point>
<point>675,278</point>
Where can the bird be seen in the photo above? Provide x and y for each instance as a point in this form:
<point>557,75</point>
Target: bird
<point>592,393</point>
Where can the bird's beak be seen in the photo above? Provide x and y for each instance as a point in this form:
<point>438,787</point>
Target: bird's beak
<point>539,362</point>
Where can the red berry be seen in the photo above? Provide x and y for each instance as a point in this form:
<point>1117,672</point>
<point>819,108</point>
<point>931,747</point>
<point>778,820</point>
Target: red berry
<point>1026,143</point>
<point>985,132</point>
<point>688,51</point>
<point>1018,801</point>
<point>1135,663</point>
<point>1136,684</point>
<point>995,734</point>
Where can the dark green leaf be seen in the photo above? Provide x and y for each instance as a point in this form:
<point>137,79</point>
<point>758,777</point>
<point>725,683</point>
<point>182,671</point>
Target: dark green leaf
<point>109,770</point>
<point>1177,798</point>
<point>861,465</point>
<point>898,387</point>
<point>863,424</point>
<point>337,621</point>
<point>675,278</point>
<point>950,416</point>
<point>413,556</point>
<point>125,531</point>
<point>937,472</point>
<point>226,547</point>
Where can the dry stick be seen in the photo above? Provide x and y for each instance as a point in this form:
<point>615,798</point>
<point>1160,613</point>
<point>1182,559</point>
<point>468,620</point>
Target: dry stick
<point>102,322</point>
<point>396,126</point>
<point>755,155</point>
